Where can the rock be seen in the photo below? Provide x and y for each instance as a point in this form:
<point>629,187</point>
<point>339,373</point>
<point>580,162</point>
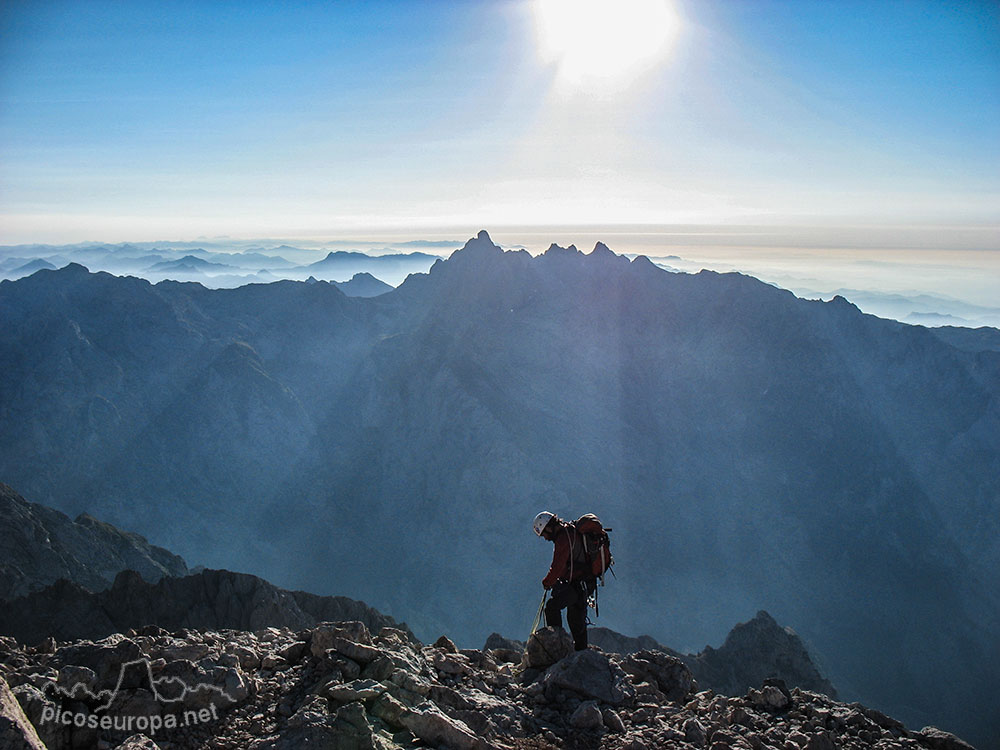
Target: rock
<point>546,647</point>
<point>587,716</point>
<point>16,731</point>
<point>694,732</point>
<point>410,682</point>
<point>820,741</point>
<point>356,652</point>
<point>445,644</point>
<point>428,723</point>
<point>293,652</point>
<point>389,710</point>
<point>938,739</point>
<point>323,637</point>
<point>770,698</point>
<point>613,721</point>
<point>314,727</point>
<point>497,641</point>
<point>449,663</point>
<point>670,675</point>
<point>185,651</point>
<point>138,742</point>
<point>590,674</point>
<point>380,669</point>
<point>358,690</point>
<point>351,730</point>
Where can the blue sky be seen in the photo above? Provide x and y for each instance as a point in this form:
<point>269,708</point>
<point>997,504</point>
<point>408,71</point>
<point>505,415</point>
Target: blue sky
<point>151,120</point>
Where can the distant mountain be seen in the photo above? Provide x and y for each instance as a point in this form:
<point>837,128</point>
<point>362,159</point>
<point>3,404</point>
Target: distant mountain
<point>29,268</point>
<point>363,285</point>
<point>190,263</point>
<point>392,268</point>
<point>39,546</point>
<point>752,450</point>
<point>248,260</point>
<point>918,308</point>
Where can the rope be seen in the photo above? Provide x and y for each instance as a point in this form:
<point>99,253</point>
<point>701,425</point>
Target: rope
<point>538,617</point>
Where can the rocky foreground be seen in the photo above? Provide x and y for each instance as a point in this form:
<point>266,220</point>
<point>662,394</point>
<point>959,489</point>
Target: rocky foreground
<point>338,686</point>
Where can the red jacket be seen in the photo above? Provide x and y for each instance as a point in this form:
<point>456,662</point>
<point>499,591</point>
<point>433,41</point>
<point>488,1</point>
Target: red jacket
<point>567,540</point>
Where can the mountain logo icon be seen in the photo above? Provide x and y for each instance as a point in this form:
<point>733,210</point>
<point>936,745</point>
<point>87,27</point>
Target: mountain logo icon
<point>138,674</point>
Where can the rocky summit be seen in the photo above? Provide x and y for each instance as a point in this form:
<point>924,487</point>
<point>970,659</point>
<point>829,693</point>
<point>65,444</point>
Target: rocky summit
<point>338,686</point>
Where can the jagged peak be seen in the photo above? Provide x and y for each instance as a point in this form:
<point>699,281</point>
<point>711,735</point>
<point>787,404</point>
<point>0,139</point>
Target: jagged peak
<point>480,246</point>
<point>555,250</point>
<point>842,302</point>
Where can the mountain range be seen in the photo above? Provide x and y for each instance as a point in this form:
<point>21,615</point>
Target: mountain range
<point>215,267</point>
<point>752,450</point>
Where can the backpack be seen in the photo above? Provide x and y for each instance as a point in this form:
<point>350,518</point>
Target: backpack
<point>595,552</point>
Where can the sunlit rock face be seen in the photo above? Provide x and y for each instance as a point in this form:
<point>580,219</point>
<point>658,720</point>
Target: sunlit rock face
<point>751,450</point>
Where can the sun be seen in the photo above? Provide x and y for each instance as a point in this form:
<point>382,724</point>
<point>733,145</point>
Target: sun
<point>603,42</point>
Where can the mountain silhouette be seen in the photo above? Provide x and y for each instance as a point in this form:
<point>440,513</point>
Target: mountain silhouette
<point>751,449</point>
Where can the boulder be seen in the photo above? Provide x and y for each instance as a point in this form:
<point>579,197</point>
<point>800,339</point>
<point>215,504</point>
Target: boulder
<point>16,732</point>
<point>332,635</point>
<point>313,726</point>
<point>428,723</point>
<point>446,644</point>
<point>546,647</point>
<point>670,675</point>
<point>587,716</point>
<point>590,674</point>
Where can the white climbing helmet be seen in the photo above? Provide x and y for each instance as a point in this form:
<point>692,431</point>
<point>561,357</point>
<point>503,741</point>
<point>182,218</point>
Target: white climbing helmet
<point>542,520</point>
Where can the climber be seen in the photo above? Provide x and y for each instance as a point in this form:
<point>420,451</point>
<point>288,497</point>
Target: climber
<point>570,581</point>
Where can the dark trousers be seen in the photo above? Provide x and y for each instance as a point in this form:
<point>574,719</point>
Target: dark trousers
<point>573,598</point>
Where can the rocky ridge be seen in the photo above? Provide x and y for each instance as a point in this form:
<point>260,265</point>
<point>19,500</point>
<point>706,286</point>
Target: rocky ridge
<point>341,686</point>
<point>210,599</point>
<point>40,545</point>
<point>753,651</point>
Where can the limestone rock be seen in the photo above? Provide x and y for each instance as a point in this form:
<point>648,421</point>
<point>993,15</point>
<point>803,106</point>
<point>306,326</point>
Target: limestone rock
<point>590,674</point>
<point>16,731</point>
<point>668,673</point>
<point>547,646</point>
<point>428,723</point>
<point>587,716</point>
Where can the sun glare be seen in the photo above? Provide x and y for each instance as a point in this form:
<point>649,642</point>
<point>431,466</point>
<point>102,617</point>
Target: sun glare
<point>600,42</point>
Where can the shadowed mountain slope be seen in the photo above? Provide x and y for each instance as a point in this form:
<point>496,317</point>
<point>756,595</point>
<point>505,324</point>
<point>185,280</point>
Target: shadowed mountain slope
<point>39,546</point>
<point>751,450</point>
